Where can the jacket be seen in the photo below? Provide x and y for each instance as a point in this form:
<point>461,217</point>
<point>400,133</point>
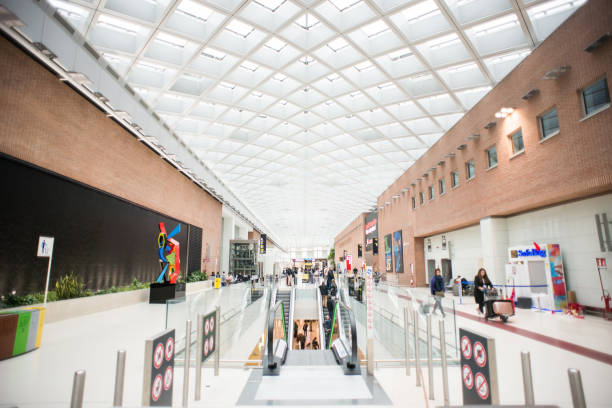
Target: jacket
<point>436,284</point>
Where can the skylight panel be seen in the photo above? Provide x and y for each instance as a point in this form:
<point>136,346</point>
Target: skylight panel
<point>279,77</point>
<point>227,85</point>
<point>444,41</point>
<point>271,5</point>
<point>333,77</point>
<point>114,58</point>
<point>170,40</point>
<point>69,10</point>
<point>496,25</point>
<point>283,102</point>
<point>342,5</point>
<point>508,57</point>
<point>214,54</point>
<point>118,24</point>
<point>420,78</point>
<point>375,28</point>
<point>421,11</point>
<point>337,44</point>
<point>553,7</point>
<point>356,95</point>
<point>461,68</point>
<point>386,85</point>
<point>364,66</point>
<point>239,28</point>
<point>276,44</point>
<point>306,60</point>
<point>307,21</point>
<point>151,67</point>
<point>249,66</point>
<point>194,10</point>
<point>257,94</point>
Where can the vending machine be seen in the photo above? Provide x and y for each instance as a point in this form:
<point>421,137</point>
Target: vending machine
<point>536,271</point>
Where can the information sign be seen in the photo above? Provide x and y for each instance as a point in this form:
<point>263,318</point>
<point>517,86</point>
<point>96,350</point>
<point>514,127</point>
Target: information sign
<point>369,303</point>
<point>45,246</point>
<point>209,325</point>
<point>262,243</point>
<point>478,369</point>
<point>159,370</point>
<point>601,263</point>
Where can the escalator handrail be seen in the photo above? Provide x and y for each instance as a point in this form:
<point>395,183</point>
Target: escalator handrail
<point>321,319</point>
<point>290,322</point>
<point>354,358</point>
<point>271,316</point>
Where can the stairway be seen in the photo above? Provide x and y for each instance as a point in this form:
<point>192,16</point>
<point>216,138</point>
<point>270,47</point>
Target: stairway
<point>325,317</point>
<point>285,297</point>
<point>346,323</point>
<point>256,294</point>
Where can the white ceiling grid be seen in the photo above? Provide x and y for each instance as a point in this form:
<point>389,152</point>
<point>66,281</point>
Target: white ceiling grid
<point>309,109</point>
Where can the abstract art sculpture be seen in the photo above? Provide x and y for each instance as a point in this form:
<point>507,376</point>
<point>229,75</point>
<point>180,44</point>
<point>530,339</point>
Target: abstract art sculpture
<point>169,256</point>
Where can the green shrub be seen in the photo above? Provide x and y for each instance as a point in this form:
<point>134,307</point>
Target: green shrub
<point>69,286</point>
<point>197,276</point>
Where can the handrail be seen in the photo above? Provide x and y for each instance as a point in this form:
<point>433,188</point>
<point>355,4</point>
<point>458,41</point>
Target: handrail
<point>290,322</point>
<point>333,325</point>
<point>321,319</point>
<point>271,315</point>
<point>353,360</point>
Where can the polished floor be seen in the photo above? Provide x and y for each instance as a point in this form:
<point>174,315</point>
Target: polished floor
<point>43,378</point>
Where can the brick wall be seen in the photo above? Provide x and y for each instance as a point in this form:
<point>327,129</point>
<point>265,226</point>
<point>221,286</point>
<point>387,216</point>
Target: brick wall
<point>576,163</point>
<point>45,122</point>
<point>348,240</point>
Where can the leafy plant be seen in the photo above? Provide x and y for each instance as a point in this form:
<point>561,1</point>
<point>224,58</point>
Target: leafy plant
<point>197,276</point>
<point>69,286</point>
<point>330,257</point>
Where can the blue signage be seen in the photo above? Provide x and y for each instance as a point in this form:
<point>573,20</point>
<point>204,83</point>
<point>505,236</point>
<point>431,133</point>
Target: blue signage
<point>532,252</point>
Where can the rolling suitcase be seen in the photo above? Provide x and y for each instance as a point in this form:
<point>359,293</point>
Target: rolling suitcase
<point>503,307</point>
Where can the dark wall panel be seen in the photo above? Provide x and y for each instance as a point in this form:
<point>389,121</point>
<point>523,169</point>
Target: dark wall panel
<point>105,240</point>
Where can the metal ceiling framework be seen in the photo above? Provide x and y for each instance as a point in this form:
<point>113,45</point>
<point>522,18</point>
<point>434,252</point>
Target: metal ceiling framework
<point>308,109</point>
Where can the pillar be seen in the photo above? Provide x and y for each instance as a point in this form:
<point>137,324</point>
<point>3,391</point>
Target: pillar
<point>494,244</point>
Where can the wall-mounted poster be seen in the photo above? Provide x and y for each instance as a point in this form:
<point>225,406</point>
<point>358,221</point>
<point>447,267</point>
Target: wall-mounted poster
<point>388,256</point>
<point>371,229</point>
<point>398,258</point>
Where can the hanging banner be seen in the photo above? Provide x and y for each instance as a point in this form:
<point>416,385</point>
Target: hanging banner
<point>262,243</point>
<point>159,370</point>
<point>388,254</point>
<point>398,250</point>
<point>557,275</point>
<point>369,303</point>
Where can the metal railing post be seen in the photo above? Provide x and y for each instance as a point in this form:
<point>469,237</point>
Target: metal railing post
<point>429,357</point>
<point>575,381</point>
<point>198,357</point>
<point>217,342</point>
<point>187,364</point>
<point>417,351</point>
<point>119,379</point>
<point>407,338</point>
<point>78,388</point>
<point>444,363</point>
<point>527,378</point>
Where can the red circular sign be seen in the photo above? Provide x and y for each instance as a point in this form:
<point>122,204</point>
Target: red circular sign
<point>168,378</point>
<point>468,378</point>
<point>466,347</point>
<point>206,327</point>
<point>156,389</point>
<point>158,357</point>
<point>211,343</point>
<point>169,348</point>
<point>480,355</point>
<point>482,387</point>
<point>205,348</point>
<point>212,323</point>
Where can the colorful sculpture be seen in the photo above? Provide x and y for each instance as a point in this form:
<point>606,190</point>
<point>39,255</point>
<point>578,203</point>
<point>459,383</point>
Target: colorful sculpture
<point>169,256</point>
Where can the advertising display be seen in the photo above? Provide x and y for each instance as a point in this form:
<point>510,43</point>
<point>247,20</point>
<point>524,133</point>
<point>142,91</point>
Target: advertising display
<point>159,370</point>
<point>478,369</point>
<point>209,329</point>
<point>398,250</point>
<point>262,243</point>
<point>388,254</point>
<point>536,271</point>
<point>371,229</point>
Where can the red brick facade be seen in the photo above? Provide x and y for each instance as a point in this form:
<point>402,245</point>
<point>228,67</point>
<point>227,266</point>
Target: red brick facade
<point>575,163</point>
<point>44,122</point>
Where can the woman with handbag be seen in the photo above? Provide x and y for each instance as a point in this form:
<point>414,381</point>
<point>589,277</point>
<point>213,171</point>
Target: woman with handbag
<point>436,287</point>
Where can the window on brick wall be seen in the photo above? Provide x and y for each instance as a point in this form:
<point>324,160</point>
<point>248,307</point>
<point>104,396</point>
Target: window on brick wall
<point>442,186</point>
<point>422,197</point>
<point>517,142</point>
<point>549,124</point>
<point>470,171</point>
<point>413,203</point>
<point>596,97</point>
<point>431,192</point>
<point>455,178</point>
<point>492,156</point>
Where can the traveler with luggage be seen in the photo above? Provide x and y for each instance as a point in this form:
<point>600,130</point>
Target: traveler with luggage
<point>436,286</point>
<point>481,282</point>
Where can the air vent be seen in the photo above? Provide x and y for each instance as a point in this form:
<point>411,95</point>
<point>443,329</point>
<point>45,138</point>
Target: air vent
<point>461,146</point>
<point>441,163</point>
<point>449,155</point>
<point>530,94</point>
<point>432,169</point>
<point>598,42</point>
<point>425,174</point>
<point>489,125</point>
<point>474,136</point>
<point>557,72</point>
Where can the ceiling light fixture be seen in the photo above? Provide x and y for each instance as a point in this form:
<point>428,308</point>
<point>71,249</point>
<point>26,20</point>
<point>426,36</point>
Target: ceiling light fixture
<point>504,112</point>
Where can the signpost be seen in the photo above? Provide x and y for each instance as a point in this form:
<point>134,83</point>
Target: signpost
<point>370,312</point>
<point>159,370</point>
<point>45,250</point>
<point>605,296</point>
<point>478,369</point>
<point>208,328</point>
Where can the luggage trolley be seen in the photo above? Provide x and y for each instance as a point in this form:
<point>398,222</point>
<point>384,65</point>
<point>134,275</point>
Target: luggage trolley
<point>496,307</point>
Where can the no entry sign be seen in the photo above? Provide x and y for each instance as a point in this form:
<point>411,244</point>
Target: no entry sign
<point>159,370</point>
<point>208,336</point>
<point>479,371</point>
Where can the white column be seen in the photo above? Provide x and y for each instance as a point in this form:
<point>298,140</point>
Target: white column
<point>494,244</point>
<point>226,234</point>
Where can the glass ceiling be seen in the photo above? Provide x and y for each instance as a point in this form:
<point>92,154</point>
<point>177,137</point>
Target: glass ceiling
<point>307,110</point>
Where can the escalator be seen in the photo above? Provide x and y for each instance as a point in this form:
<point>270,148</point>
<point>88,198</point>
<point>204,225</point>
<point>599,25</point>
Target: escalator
<point>284,296</point>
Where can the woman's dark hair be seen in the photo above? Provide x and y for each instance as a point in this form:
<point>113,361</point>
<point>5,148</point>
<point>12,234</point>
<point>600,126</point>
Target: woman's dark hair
<point>482,269</point>
<point>437,270</point>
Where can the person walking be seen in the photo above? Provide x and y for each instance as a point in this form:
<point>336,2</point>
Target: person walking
<point>436,286</point>
<point>330,278</point>
<point>481,282</point>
